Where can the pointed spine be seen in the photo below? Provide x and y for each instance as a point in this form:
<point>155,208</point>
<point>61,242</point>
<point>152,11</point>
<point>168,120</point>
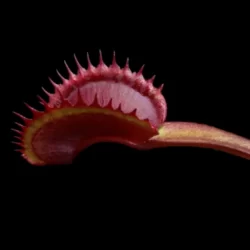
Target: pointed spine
<point>114,64</point>
<point>71,74</point>
<point>47,93</point>
<point>17,143</point>
<point>126,70</point>
<point>19,150</point>
<point>102,66</point>
<point>79,66</point>
<point>101,62</point>
<point>139,73</point>
<point>18,137</point>
<point>20,125</point>
<point>161,88</point>
<point>43,102</point>
<point>90,65</point>
<point>80,69</point>
<point>126,64</point>
<point>35,112</point>
<point>151,80</point>
<point>17,131</point>
<point>55,85</point>
<point>57,88</point>
<point>25,119</point>
<point>64,80</point>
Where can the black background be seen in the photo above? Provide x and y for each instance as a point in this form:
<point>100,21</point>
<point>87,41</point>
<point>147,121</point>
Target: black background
<point>185,195</point>
<point>199,55</point>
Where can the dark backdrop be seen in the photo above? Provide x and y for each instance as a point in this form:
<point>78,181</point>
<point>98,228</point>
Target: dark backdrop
<point>200,58</point>
<point>200,52</point>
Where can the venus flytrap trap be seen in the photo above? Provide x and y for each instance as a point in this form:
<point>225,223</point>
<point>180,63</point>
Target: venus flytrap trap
<point>110,104</point>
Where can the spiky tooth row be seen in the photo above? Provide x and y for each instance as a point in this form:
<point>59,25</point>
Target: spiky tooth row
<point>90,72</point>
<point>20,132</point>
<point>104,73</point>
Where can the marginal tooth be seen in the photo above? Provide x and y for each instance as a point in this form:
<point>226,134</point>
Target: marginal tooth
<point>127,64</point>
<point>100,58</point>
<point>90,65</point>
<point>20,125</point>
<point>17,143</point>
<point>46,92</point>
<point>127,73</point>
<point>68,68</point>
<point>57,88</point>
<point>43,102</point>
<point>17,131</point>
<point>19,150</point>
<point>51,97</point>
<point>151,80</point>
<point>71,74</point>
<point>53,83</point>
<point>81,70</point>
<point>33,110</point>
<point>115,67</point>
<point>25,119</point>
<point>102,66</point>
<point>139,73</point>
<point>114,64</point>
<point>160,88</point>
<point>62,78</point>
<point>79,66</point>
<point>18,137</point>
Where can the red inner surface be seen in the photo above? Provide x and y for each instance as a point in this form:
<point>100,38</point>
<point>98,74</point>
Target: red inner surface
<point>59,141</point>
